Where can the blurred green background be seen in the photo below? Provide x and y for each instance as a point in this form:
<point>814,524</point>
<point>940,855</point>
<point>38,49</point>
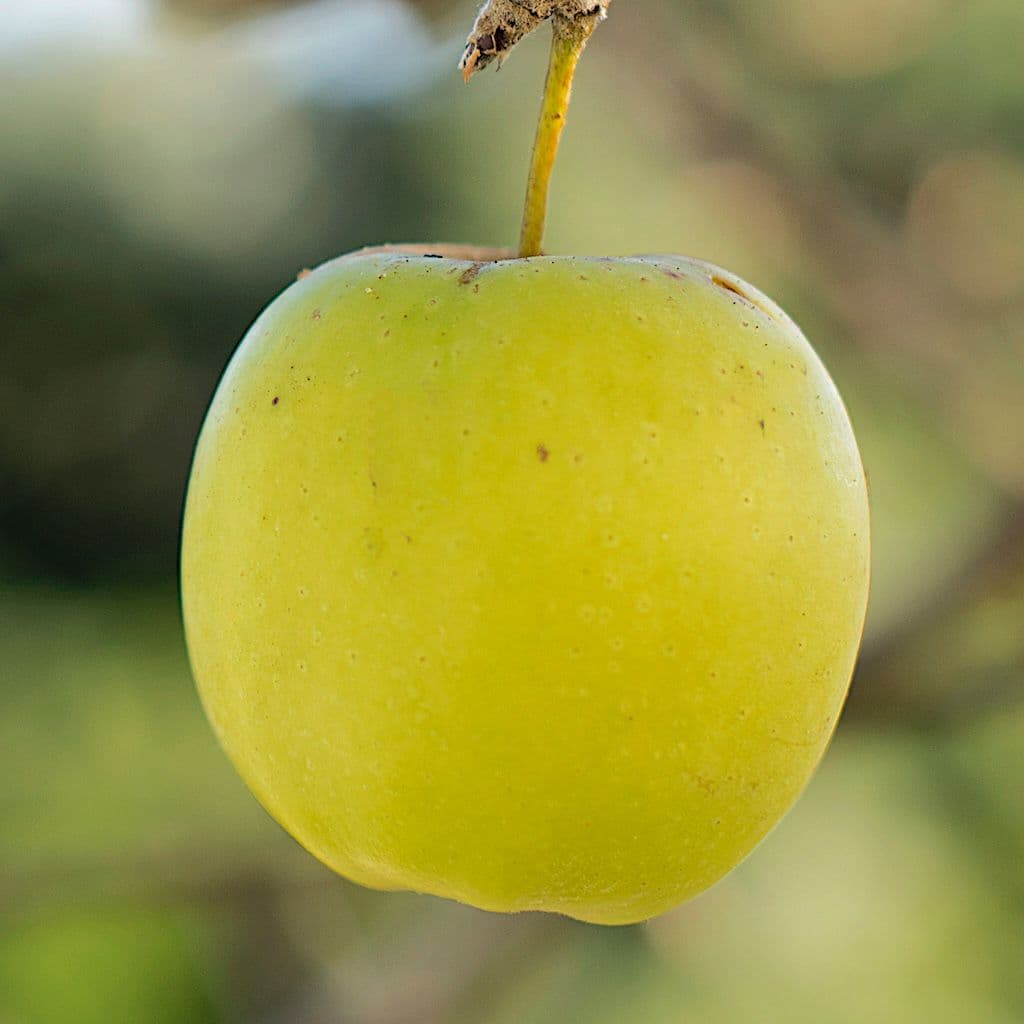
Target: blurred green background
<point>167,167</point>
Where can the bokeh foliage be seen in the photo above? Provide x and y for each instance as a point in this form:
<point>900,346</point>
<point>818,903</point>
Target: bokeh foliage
<point>166,168</point>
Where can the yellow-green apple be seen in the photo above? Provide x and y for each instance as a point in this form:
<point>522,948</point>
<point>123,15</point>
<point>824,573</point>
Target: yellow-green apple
<point>534,583</point>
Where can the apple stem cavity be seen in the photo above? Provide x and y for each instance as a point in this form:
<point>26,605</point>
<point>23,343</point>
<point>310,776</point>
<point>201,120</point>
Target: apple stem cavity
<point>499,26</point>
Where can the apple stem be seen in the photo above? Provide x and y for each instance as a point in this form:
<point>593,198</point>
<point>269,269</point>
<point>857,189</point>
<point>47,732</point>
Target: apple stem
<point>569,37</point>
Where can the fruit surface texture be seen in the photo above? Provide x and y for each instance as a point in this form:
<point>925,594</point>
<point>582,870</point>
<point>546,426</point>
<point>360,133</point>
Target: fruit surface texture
<point>533,583</point>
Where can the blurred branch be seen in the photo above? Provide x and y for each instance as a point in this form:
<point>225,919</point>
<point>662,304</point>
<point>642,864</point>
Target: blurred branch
<point>176,876</point>
<point>960,657</point>
<point>408,977</point>
<point>277,982</point>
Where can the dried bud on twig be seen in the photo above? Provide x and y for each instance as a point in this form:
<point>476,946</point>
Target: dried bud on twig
<point>501,24</point>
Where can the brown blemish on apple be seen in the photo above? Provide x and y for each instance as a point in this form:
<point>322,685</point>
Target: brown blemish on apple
<point>276,400</point>
<point>542,453</point>
<point>731,286</point>
<point>706,784</point>
<point>467,275</point>
<point>736,288</point>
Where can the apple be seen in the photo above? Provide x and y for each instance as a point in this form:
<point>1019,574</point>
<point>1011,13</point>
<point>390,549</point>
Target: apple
<point>536,583</point>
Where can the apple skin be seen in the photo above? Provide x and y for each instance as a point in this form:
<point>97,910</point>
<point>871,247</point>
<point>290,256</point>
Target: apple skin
<point>536,584</point>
